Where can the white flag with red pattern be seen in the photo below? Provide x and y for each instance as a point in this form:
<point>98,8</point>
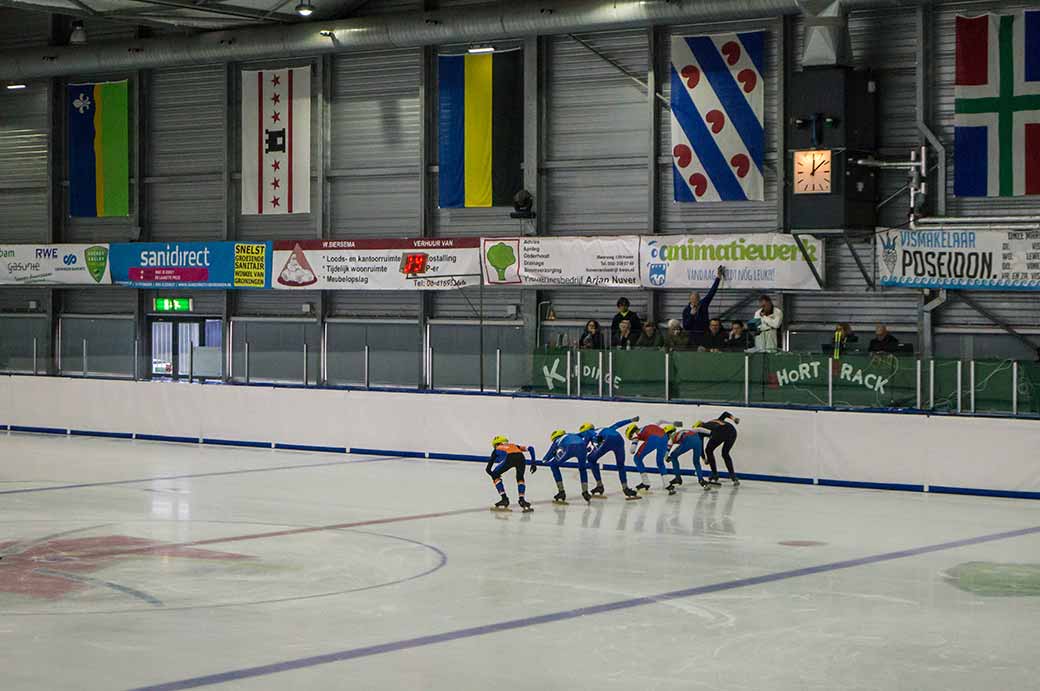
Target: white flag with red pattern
<point>276,141</point>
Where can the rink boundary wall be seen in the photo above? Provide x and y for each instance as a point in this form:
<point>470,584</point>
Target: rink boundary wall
<point>911,453</point>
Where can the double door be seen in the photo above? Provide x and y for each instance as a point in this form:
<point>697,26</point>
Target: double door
<point>187,347</point>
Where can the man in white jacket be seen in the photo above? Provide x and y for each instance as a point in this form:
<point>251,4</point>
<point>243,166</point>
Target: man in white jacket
<point>769,319</point>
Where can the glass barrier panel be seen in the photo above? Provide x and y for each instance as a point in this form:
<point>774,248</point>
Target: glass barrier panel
<point>994,381</point>
<point>637,374</point>
<point>1029,388</point>
<point>788,378</point>
<point>276,351</point>
<point>109,347</point>
<point>394,354</point>
<point>879,380</point>
<point>716,377</point>
<point>17,333</point>
<point>945,391</point>
<point>207,362</point>
<point>550,366</point>
<point>457,362</point>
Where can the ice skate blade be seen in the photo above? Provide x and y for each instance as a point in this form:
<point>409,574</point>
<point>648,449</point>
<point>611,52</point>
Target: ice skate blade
<point>599,496</point>
<point>561,502</point>
<point>635,498</point>
<point>529,509</point>
<point>499,509</point>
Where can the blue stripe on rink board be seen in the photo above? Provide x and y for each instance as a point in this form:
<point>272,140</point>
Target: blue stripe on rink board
<point>237,442</point>
<point>106,435</point>
<point>389,452</point>
<point>164,437</point>
<point>1003,493</point>
<point>38,430</point>
<point>566,615</point>
<point>458,457</point>
<point>308,447</point>
<point>857,484</point>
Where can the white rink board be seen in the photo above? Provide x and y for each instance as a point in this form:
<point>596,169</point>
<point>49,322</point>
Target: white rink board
<point>977,453</point>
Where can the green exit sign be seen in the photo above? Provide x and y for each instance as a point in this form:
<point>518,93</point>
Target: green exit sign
<point>172,304</point>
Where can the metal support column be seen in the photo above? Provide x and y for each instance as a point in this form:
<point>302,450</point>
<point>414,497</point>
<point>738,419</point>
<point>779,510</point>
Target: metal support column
<point>306,365</point>
<point>830,383</point>
<point>610,373</point>
<point>367,380</point>
<point>959,392</point>
<point>35,370</point>
<point>579,374</point>
<point>747,379</point>
<point>570,373</point>
<point>1014,388</point>
<point>246,353</point>
<point>498,370</point>
<point>918,383</point>
<point>931,384</point>
<point>971,381</point>
<point>599,373</point>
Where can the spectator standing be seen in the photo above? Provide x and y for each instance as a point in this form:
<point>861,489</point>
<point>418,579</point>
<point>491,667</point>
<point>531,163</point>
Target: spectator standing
<point>883,341</point>
<point>592,338</point>
<point>695,317</point>
<point>738,340</point>
<point>624,338</point>
<point>769,319</point>
<point>713,339</point>
<point>651,337</point>
<point>624,313</point>
<point>677,338</point>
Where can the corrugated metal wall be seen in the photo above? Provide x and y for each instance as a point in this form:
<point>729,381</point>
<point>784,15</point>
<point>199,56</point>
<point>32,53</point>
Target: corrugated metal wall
<point>24,150</point>
<point>275,303</point>
<point>99,301</point>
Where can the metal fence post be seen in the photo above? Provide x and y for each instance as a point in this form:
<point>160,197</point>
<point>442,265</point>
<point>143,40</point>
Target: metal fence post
<point>84,357</point>
<point>599,373</point>
<point>579,374</point>
<point>568,373</point>
<point>246,353</point>
<point>667,378</point>
<point>431,368</point>
<point>191,362</point>
<point>306,365</point>
<point>498,370</point>
<point>830,383</point>
<point>1014,387</point>
<point>34,356</point>
<point>960,369</point>
<point>610,373</point>
<point>137,354</point>
<point>931,384</point>
<point>971,380</point>
<point>918,383</point>
<point>367,381</point>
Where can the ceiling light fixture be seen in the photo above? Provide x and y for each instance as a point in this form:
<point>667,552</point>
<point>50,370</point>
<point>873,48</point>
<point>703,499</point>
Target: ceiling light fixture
<point>78,36</point>
<point>305,8</point>
<point>480,49</point>
<point>14,87</point>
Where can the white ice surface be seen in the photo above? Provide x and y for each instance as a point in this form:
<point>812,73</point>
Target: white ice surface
<point>149,617</point>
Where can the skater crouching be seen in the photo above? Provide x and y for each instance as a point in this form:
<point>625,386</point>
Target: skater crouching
<point>505,456</point>
<point>723,432</point>
<point>564,447</point>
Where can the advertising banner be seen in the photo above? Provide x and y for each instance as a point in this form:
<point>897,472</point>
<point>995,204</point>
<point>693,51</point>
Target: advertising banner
<point>979,260</point>
<point>54,265</point>
<point>418,264</point>
<point>759,261</point>
<point>609,262</point>
<point>216,265</point>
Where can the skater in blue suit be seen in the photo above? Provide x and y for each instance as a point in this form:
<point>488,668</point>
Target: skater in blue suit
<point>688,441</point>
<point>608,440</point>
<point>565,447</point>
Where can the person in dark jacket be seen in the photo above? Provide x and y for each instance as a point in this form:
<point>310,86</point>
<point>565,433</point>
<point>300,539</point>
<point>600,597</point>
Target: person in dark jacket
<point>883,341</point>
<point>624,338</point>
<point>713,339</point>
<point>695,315</point>
<point>592,339</point>
<point>739,339</point>
<point>651,337</point>
<point>624,313</point>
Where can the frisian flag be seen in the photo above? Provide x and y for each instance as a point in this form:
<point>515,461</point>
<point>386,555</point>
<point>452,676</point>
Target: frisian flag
<point>276,141</point>
<point>480,133</point>
<point>718,105</point>
<point>997,105</point>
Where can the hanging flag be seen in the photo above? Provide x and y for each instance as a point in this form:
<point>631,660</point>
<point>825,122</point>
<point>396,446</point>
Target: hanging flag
<point>481,128</point>
<point>997,105</point>
<point>718,105</point>
<point>99,156</point>
<point>276,141</point>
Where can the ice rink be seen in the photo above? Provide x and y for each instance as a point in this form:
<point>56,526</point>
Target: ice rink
<point>131,565</point>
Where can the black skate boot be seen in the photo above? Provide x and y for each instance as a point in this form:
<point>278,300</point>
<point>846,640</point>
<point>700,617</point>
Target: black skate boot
<point>736,481</point>
<point>714,480</point>
<point>630,494</point>
<point>705,485</point>
<point>598,492</point>
<point>525,505</point>
<point>586,496</point>
<point>642,486</point>
<point>502,504</point>
<point>674,482</point>
<point>560,498</point>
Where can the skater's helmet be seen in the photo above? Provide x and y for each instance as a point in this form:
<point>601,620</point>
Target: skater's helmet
<point>499,440</point>
<point>586,426</point>
<point>668,430</point>
<point>556,434</point>
<point>631,431</point>
<point>699,423</point>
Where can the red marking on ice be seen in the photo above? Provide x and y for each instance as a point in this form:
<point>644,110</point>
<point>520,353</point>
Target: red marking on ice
<point>19,572</point>
<point>683,154</point>
<point>742,163</point>
<point>716,119</point>
<point>692,75</point>
<point>699,183</point>
<point>731,49</point>
<point>749,79</point>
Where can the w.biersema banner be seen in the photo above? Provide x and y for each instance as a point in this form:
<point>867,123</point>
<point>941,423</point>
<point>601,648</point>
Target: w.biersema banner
<point>760,261</point>
<point>420,264</point>
<point>980,260</point>
<point>276,141</point>
<point>611,262</point>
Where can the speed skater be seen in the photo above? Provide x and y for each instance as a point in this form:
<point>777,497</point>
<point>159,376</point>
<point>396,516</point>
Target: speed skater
<point>722,432</point>
<point>564,447</point>
<point>608,440</point>
<point>503,457</point>
<point>654,439</point>
<point>688,440</point>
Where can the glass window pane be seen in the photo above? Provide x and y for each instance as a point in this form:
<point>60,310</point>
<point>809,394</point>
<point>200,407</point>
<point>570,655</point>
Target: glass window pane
<point>109,346</point>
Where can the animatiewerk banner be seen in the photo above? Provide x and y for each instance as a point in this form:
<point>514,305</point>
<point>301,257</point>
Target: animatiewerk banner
<point>980,260</point>
<point>761,261</point>
<point>220,265</point>
<point>54,265</point>
<point>611,262</point>
<point>420,264</point>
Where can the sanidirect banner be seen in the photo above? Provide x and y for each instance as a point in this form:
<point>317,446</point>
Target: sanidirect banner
<point>216,265</point>
<point>766,261</point>
<point>420,264</point>
<point>54,265</point>
<point>980,260</point>
<point>611,262</point>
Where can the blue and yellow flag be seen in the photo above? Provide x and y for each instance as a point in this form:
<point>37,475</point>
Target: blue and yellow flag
<point>481,128</point>
<point>99,157</point>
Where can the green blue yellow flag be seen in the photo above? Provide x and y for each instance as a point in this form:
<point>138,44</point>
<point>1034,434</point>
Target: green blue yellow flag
<point>99,157</point>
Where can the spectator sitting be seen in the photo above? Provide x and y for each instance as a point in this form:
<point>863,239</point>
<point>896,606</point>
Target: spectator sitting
<point>695,314</point>
<point>676,339</point>
<point>738,339</point>
<point>713,339</point>
<point>623,337</point>
<point>651,337</point>
<point>767,321</point>
<point>592,338</point>
<point>843,336</point>
<point>883,341</point>
<point>624,313</point>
